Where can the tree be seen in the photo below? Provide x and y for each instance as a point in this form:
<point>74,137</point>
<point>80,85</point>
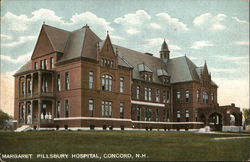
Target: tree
<point>4,117</point>
<point>246,113</point>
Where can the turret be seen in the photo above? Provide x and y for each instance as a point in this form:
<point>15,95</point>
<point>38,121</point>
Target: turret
<point>164,53</point>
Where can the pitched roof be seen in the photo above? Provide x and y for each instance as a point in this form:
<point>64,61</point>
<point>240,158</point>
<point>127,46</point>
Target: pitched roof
<point>57,37</point>
<point>135,58</point>
<point>181,69</point>
<point>26,67</point>
<point>83,43</point>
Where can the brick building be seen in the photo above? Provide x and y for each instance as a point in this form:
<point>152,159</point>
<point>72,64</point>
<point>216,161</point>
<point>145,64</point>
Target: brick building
<point>76,80</point>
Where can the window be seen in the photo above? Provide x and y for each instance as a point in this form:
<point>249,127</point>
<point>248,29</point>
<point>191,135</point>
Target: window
<point>102,62</point>
<point>36,66</point>
<point>121,110</point>
<point>58,109</point>
<point>178,95</point>
<point>157,95</point>
<point>66,108</point>
<point>23,88</point>
<point>196,115</point>
<point>107,82</point>
<point>138,110</point>
<point>67,80</point>
<point>45,64</point>
<point>212,97</point>
<point>122,84</point>
<point>205,97</point>
<point>149,94</point>
<point>168,96</point>
<point>198,96</point>
<point>29,86</point>
<point>164,97</point>
<point>146,94</point>
<point>146,76</point>
<point>187,96</point>
<point>178,115</point>
<point>157,115</point>
<point>42,64</point>
<point>150,78</point>
<point>45,87</point>
<point>137,92</point>
<point>165,116</point>
<point>58,82</point>
<point>187,115</point>
<point>91,79</point>
<point>51,62</point>
<point>106,109</point>
<point>148,114</point>
<point>91,108</point>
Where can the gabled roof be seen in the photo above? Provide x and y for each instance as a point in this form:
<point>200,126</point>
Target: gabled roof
<point>199,71</point>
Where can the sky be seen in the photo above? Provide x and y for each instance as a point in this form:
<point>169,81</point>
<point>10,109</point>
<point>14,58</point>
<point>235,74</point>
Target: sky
<point>204,30</point>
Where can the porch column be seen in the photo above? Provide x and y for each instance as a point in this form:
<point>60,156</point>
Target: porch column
<point>39,83</point>
<point>53,109</point>
<point>39,111</point>
<point>31,85</point>
<point>31,110</point>
<point>19,87</point>
<point>53,82</point>
<point>18,117</point>
<point>25,86</point>
<point>24,120</point>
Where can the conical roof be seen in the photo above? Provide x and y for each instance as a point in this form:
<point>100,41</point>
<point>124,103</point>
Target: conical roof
<point>164,46</point>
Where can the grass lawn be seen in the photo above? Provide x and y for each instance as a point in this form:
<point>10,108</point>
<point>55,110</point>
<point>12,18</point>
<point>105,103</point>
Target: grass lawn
<point>158,146</point>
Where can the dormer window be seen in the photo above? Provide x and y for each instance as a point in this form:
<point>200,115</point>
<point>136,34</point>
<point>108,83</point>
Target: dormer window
<point>145,72</point>
<point>163,76</point>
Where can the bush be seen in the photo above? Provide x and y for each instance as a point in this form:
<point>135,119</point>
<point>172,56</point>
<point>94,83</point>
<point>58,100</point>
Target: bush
<point>4,117</point>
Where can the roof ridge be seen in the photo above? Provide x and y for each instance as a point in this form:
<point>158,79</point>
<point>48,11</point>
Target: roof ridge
<point>189,61</point>
<point>55,27</point>
<point>83,43</point>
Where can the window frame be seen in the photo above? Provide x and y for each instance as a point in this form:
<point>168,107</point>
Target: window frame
<point>122,84</point>
<point>66,108</point>
<point>91,106</point>
<point>91,80</point>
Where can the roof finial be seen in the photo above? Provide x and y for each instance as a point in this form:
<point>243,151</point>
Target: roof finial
<point>43,22</point>
<point>107,32</point>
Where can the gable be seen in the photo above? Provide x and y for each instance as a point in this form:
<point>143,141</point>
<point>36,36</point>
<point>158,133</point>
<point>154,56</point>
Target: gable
<point>107,49</point>
<point>43,45</point>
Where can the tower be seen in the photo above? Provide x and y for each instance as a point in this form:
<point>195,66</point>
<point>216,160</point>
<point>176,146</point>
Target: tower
<point>164,53</point>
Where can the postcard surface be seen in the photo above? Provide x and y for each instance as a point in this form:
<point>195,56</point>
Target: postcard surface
<point>139,80</point>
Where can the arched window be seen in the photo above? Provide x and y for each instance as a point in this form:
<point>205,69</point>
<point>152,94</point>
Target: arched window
<point>205,97</point>
<point>107,82</point>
